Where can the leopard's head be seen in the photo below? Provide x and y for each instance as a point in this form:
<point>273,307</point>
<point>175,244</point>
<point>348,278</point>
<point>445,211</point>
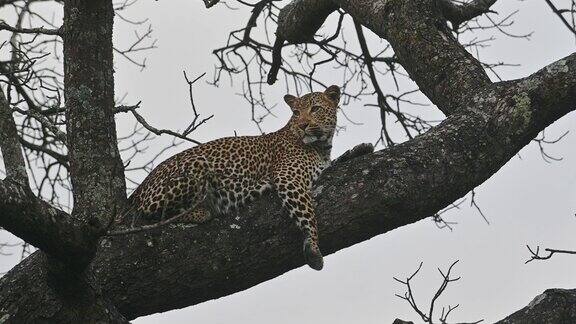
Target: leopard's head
<point>314,115</point>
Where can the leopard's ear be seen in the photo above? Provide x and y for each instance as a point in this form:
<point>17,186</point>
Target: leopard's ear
<point>333,92</point>
<point>290,100</point>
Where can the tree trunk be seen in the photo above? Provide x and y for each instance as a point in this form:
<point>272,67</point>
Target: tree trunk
<point>96,168</point>
<point>46,291</point>
<point>59,289</point>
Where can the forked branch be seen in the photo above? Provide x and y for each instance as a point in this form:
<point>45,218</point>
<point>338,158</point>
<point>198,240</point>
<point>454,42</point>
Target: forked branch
<point>535,254</point>
<point>428,317</point>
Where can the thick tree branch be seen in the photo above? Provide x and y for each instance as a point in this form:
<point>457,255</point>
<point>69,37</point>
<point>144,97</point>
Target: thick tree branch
<point>96,168</point>
<point>425,47</point>
<point>9,144</point>
<point>554,306</point>
<point>356,201</point>
<point>417,31</point>
<point>70,295</point>
<point>210,3</point>
<point>459,13</point>
<point>51,303</point>
<point>299,20</point>
<point>179,265</point>
<point>47,228</point>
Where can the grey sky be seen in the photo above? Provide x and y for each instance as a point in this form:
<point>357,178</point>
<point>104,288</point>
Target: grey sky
<point>527,202</point>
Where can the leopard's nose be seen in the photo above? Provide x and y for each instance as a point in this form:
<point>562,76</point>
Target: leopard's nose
<point>303,126</point>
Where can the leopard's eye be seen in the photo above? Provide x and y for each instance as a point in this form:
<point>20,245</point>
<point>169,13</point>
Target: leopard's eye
<point>315,109</point>
<point>296,113</point>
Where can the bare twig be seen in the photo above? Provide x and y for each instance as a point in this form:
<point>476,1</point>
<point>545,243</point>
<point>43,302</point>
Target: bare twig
<point>429,316</point>
<point>137,46</point>
<point>143,122</point>
<point>39,30</point>
<point>535,254</point>
<point>138,229</point>
<point>475,205</point>
<point>196,122</point>
<point>440,222</point>
<point>542,142</point>
<point>560,12</point>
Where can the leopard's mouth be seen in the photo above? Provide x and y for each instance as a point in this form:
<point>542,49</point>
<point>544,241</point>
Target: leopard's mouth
<point>314,135</point>
<point>314,131</point>
<point>309,139</point>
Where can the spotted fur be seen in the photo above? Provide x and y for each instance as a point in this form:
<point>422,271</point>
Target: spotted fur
<point>222,175</point>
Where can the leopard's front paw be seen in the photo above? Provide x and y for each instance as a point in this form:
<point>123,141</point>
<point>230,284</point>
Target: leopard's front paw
<point>312,254</point>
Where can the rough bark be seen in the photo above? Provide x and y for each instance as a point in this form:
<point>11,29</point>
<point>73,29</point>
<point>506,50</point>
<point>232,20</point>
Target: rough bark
<point>399,321</point>
<point>554,306</point>
<point>96,168</point>
<point>419,35</point>
<point>47,228</point>
<point>48,294</point>
<point>28,217</point>
<point>10,144</point>
<point>356,201</point>
<point>180,266</point>
<point>459,13</point>
<point>298,21</point>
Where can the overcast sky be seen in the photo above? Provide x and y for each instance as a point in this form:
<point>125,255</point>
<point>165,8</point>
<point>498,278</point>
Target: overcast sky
<point>527,202</point>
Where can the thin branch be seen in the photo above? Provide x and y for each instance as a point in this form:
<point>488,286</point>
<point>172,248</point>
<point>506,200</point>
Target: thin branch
<point>535,254</point>
<point>558,12</point>
<point>542,142</point>
<point>475,205</point>
<point>143,122</point>
<point>429,317</point>
<point>39,30</point>
<point>142,228</point>
<point>195,122</point>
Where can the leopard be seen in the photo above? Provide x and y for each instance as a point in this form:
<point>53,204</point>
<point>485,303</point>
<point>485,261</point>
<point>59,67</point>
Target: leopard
<point>220,176</point>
